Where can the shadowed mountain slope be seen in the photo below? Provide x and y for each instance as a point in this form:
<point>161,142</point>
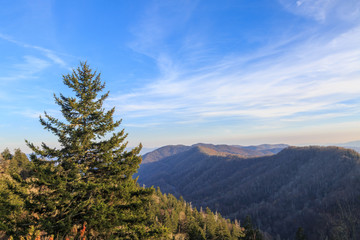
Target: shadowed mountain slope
<point>317,188</point>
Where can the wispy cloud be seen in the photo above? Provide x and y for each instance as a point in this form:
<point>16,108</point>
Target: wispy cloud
<point>324,10</point>
<point>27,69</point>
<point>34,113</point>
<point>29,113</point>
<point>51,55</point>
<point>159,23</point>
<point>286,80</point>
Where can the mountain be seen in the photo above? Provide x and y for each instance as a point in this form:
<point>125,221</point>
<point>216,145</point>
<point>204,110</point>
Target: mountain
<point>163,152</point>
<point>352,144</point>
<point>242,151</point>
<point>273,148</point>
<point>355,145</point>
<point>316,188</point>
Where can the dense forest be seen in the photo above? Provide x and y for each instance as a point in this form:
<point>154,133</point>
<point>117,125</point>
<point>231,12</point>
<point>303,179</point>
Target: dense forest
<point>316,189</point>
<point>86,189</point>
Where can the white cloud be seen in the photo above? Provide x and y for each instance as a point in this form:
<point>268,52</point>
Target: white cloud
<point>32,113</point>
<point>26,69</point>
<point>29,113</point>
<point>324,10</point>
<point>312,76</point>
<point>53,56</point>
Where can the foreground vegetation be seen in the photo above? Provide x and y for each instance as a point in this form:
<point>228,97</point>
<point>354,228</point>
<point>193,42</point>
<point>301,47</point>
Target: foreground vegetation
<point>175,218</point>
<point>85,189</point>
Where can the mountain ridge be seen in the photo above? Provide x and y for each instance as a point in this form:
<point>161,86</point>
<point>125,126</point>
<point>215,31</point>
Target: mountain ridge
<point>299,186</point>
<point>221,149</point>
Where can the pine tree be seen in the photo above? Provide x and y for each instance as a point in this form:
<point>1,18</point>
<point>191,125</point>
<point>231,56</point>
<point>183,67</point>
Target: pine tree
<point>6,154</point>
<point>210,224</point>
<point>251,233</point>
<point>88,180</point>
<point>14,170</point>
<point>4,161</point>
<point>300,235</point>
<point>20,164</point>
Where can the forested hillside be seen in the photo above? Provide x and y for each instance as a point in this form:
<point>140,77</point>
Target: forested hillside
<point>315,188</point>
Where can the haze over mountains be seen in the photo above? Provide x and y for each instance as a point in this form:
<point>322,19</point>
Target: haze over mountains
<point>282,188</point>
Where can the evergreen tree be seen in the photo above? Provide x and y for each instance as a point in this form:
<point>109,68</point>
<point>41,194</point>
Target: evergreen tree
<point>20,164</point>
<point>251,233</point>
<point>11,206</point>
<point>88,180</point>
<point>7,154</point>
<point>14,170</point>
<point>300,235</point>
<point>3,164</point>
<point>210,224</point>
<point>5,158</point>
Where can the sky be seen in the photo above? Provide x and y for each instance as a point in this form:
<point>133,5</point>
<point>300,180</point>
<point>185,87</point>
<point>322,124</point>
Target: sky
<point>181,72</point>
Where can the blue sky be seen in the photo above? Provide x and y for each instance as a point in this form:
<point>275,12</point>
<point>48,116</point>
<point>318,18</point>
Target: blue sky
<point>181,72</point>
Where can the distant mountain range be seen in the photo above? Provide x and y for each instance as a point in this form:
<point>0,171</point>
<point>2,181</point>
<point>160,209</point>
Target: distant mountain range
<point>224,150</point>
<point>281,188</point>
<point>355,145</point>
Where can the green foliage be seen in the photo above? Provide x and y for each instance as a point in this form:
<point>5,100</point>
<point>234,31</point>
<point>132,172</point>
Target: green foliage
<point>6,154</point>
<point>13,190</point>
<point>20,164</point>
<point>251,233</point>
<point>89,179</point>
<point>11,205</point>
<point>300,235</point>
<point>184,222</point>
<point>5,158</point>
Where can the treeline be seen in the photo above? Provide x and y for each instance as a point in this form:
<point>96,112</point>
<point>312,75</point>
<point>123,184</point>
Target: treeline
<point>174,218</point>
